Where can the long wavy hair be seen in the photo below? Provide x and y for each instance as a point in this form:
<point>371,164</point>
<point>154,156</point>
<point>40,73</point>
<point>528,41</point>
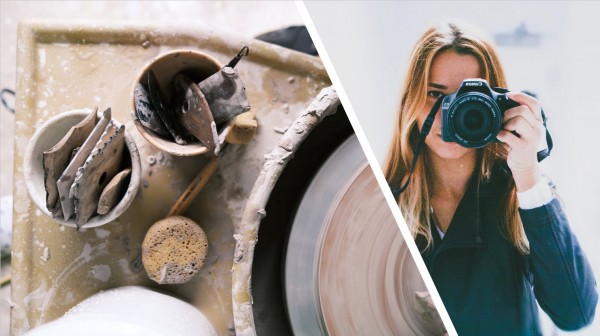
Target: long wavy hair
<point>414,202</point>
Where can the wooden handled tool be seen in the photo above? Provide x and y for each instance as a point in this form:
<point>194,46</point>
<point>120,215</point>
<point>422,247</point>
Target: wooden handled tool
<point>184,201</point>
<point>174,248</point>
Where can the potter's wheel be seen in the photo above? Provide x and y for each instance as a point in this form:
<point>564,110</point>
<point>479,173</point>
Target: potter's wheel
<point>347,269</point>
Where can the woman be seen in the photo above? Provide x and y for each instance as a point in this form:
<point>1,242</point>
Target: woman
<point>490,229</point>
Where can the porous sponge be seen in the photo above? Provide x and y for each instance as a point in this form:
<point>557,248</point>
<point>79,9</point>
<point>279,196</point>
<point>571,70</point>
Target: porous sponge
<point>174,250</point>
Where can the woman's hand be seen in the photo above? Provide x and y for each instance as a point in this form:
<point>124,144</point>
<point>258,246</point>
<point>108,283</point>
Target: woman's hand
<point>526,121</point>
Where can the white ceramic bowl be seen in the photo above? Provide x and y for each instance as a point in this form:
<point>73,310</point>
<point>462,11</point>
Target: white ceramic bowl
<point>50,133</point>
<point>129,311</point>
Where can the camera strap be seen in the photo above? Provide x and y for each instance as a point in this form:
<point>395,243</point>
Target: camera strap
<point>541,155</point>
<point>422,135</point>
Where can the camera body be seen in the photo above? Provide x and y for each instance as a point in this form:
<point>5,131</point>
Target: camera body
<point>472,116</point>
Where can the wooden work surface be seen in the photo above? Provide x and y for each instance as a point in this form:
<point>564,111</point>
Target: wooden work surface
<point>67,66</point>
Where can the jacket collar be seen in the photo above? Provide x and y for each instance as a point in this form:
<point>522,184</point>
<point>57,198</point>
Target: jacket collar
<point>464,227</point>
<point>465,230</point>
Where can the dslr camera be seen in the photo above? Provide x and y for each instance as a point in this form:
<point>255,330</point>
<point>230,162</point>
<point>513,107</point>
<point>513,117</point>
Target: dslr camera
<point>472,116</point>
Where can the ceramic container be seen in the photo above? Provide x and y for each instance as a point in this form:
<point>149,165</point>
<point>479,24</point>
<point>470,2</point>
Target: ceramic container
<point>50,133</point>
<point>196,65</point>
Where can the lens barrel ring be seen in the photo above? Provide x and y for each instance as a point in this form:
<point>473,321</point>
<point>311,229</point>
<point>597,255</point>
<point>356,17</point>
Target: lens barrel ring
<point>474,119</point>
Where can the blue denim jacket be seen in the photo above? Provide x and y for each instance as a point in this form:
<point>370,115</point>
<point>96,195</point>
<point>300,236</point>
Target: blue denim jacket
<point>490,288</point>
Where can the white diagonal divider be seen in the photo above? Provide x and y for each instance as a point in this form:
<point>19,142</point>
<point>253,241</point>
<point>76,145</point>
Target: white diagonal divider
<point>375,167</point>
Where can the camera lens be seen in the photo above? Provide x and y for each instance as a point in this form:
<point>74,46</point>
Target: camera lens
<point>474,119</point>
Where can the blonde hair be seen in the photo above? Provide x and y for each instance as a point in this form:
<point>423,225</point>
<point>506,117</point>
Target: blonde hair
<point>414,201</point>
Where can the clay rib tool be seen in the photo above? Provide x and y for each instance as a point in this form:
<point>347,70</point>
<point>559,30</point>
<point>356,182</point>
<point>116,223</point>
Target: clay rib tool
<point>68,176</point>
<point>161,109</point>
<point>115,188</point>
<point>219,98</point>
<point>99,169</point>
<point>57,158</point>
<point>225,92</point>
<point>193,112</point>
<point>146,112</point>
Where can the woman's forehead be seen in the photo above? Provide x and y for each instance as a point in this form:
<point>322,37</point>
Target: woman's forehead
<point>449,68</point>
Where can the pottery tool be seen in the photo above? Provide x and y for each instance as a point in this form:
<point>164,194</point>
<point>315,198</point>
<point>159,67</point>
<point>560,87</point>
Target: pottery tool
<point>98,170</point>
<point>146,112</point>
<point>174,248</point>
<point>197,109</point>
<point>225,92</point>
<point>193,112</point>
<point>114,189</point>
<point>67,178</point>
<point>162,110</point>
<point>217,99</point>
<point>57,158</point>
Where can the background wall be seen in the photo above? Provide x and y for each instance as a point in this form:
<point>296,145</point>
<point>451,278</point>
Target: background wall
<point>369,44</point>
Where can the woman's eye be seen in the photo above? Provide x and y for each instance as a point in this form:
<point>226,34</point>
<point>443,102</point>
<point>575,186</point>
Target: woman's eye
<point>435,94</point>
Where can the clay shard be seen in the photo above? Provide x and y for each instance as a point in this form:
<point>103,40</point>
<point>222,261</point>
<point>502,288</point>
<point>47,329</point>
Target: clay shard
<point>57,158</point>
<point>114,189</point>
<point>226,94</point>
<point>103,163</point>
<point>146,112</point>
<point>193,112</point>
<point>68,176</point>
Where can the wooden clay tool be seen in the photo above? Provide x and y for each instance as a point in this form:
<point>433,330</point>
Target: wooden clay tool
<point>68,176</point>
<point>163,110</point>
<point>145,111</point>
<point>99,169</point>
<point>57,158</point>
<point>193,112</point>
<point>114,189</point>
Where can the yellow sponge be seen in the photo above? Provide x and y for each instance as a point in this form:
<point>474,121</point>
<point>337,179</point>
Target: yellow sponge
<point>174,250</point>
<point>243,130</point>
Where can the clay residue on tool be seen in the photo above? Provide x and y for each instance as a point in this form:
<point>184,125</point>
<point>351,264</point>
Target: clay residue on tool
<point>112,191</point>
<point>57,158</point>
<point>101,166</point>
<point>68,175</point>
<point>192,105</point>
<point>193,112</point>
<point>86,160</point>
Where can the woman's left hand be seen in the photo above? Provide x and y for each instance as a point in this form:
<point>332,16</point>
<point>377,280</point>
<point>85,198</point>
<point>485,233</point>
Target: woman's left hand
<point>526,121</point>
